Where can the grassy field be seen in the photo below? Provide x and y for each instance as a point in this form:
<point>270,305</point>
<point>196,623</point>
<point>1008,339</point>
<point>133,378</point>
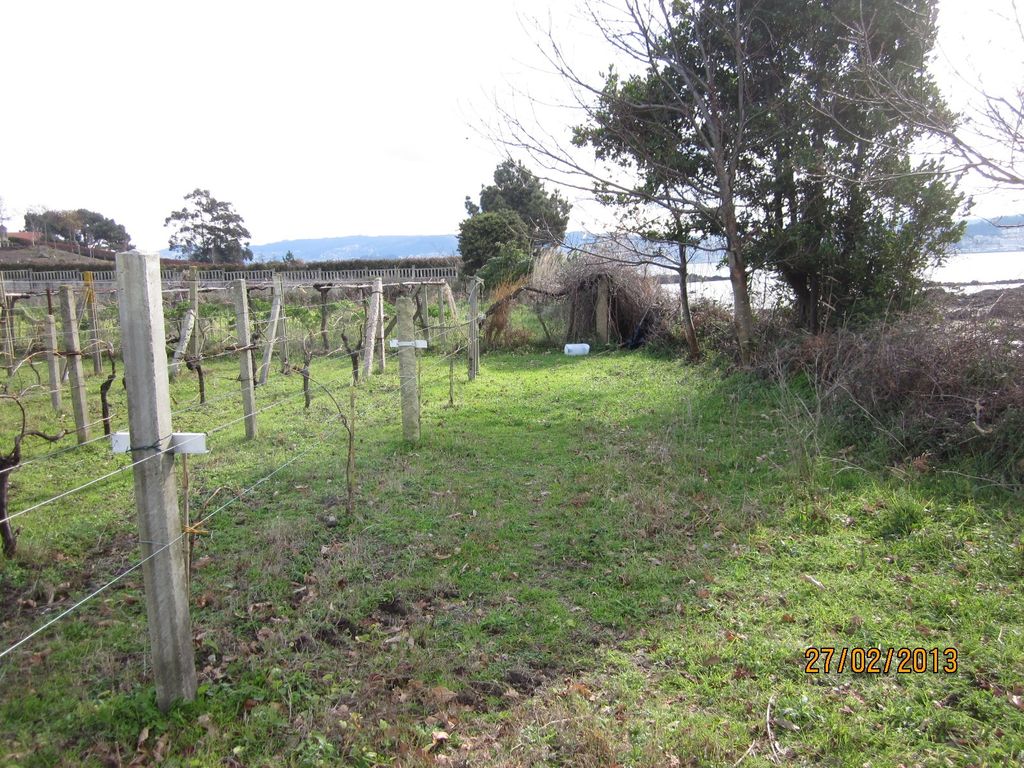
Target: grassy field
<point>612,560</point>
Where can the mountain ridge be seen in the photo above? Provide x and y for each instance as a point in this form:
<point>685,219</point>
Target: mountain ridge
<point>1004,233</point>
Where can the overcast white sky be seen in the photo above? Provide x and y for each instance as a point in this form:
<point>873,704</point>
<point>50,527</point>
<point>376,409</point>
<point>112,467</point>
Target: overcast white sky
<point>314,119</point>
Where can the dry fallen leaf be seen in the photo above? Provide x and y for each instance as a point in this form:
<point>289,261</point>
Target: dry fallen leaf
<point>785,724</point>
<point>741,672</point>
<point>441,696</point>
<point>438,740</point>
<point>580,690</point>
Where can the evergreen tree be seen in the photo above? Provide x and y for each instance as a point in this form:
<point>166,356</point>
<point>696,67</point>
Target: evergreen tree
<point>517,189</point>
<point>515,219</point>
<point>209,230</point>
<point>752,122</point>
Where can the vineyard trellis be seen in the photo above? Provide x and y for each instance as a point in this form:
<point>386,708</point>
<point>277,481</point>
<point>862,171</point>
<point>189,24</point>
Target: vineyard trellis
<point>194,334</point>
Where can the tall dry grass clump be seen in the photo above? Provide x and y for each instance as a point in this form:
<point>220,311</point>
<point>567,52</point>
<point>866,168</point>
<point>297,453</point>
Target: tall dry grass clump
<point>496,327</point>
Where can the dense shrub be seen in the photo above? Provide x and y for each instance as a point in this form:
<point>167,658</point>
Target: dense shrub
<point>931,385</point>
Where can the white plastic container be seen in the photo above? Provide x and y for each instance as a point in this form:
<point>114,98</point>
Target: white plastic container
<point>577,349</point>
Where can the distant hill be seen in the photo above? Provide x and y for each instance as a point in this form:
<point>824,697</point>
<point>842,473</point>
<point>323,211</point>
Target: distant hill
<point>1003,233</point>
<point>359,247</point>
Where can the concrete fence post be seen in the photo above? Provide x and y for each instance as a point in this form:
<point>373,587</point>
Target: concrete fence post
<point>245,357</point>
<point>141,313</point>
<point>73,353</point>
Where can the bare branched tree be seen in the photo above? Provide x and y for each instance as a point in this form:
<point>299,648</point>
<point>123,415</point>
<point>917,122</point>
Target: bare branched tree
<point>988,138</point>
<point>674,138</point>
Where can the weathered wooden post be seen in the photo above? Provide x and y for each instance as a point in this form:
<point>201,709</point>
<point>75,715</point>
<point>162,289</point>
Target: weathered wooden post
<point>7,326</point>
<point>323,318</point>
<point>282,334</point>
<point>453,310</point>
<point>73,353</point>
<point>187,326</point>
<point>474,326</point>
<point>94,323</point>
<point>52,361</point>
<point>245,358</point>
<point>193,300</point>
<point>156,493</point>
<point>442,328</point>
<point>373,312</point>
<point>272,327</point>
<point>423,307</point>
<point>407,373</point>
<point>601,310</point>
<point>382,357</point>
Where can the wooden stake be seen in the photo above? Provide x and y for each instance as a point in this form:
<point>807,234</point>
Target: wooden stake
<point>245,358</point>
<point>381,333</point>
<point>94,324</point>
<point>193,300</point>
<point>453,310</point>
<point>73,353</point>
<point>442,332</point>
<point>53,362</point>
<point>373,313</point>
<point>6,321</point>
<point>282,335</point>
<point>474,326</point>
<point>602,309</point>
<point>275,316</point>
<point>188,323</point>
<point>323,319</point>
<point>423,309</point>
<point>407,372</point>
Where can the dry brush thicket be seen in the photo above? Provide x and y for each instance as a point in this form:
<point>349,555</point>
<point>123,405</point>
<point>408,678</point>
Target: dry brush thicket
<point>939,383</point>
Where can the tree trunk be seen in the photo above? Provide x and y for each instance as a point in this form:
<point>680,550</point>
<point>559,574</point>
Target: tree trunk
<point>684,306</point>
<point>743,318</point>
<point>10,539</point>
<point>323,321</point>
<point>797,282</point>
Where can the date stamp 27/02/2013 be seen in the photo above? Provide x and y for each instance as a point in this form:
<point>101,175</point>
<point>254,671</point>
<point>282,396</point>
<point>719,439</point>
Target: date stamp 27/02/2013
<point>876,661</point>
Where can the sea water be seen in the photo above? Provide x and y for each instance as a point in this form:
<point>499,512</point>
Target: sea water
<point>972,272</point>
